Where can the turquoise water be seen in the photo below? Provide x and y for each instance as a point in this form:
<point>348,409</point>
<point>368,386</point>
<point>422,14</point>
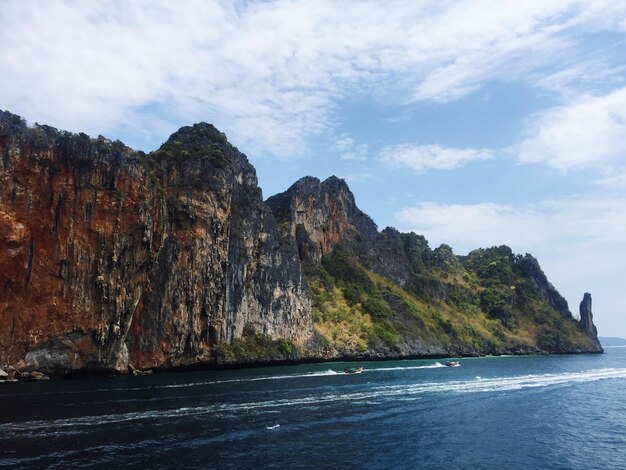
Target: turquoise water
<point>552,412</point>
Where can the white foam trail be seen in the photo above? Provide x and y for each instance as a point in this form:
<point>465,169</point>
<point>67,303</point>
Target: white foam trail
<point>273,427</point>
<point>252,379</point>
<point>436,365</point>
<point>496,385</point>
<point>293,376</point>
<point>480,384</point>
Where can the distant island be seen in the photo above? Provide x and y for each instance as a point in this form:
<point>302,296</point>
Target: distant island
<point>113,260</point>
<point>608,341</point>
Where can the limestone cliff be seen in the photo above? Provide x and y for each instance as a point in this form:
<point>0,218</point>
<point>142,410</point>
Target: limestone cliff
<point>322,215</point>
<point>389,294</point>
<point>110,257</point>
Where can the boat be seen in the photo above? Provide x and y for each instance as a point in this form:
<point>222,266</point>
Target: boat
<point>453,363</point>
<point>353,370</point>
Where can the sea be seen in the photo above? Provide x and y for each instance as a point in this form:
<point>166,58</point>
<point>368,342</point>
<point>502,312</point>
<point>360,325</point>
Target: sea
<point>534,412</point>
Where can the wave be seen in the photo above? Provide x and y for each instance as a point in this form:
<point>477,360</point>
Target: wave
<point>476,385</point>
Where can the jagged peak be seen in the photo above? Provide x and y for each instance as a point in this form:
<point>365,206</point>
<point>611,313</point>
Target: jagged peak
<point>311,185</point>
<point>304,182</point>
<point>327,210</point>
<point>329,184</point>
<point>335,181</point>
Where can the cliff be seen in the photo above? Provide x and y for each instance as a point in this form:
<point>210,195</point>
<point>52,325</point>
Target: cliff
<point>111,258</point>
<point>321,215</point>
<point>388,294</point>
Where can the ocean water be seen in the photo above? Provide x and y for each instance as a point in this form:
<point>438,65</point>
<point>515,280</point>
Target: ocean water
<point>554,412</point>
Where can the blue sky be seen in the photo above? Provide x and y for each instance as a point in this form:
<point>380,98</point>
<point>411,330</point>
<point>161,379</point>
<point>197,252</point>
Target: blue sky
<point>475,123</point>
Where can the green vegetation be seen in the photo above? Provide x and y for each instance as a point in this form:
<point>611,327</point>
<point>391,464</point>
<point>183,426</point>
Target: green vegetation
<point>200,142</point>
<point>155,171</point>
<point>179,152</point>
<point>482,304</point>
<point>255,347</point>
<point>355,309</point>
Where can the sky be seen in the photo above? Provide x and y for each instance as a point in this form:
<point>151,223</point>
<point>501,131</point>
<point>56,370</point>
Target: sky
<point>475,123</point>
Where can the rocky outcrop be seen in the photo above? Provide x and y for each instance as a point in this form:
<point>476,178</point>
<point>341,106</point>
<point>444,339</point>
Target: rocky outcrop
<point>321,216</point>
<point>111,257</point>
<point>586,321</point>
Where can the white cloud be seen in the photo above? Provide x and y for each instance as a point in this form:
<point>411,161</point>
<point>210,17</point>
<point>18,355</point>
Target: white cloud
<point>595,218</point>
<point>617,180</point>
<point>345,142</point>
<point>587,133</point>
<point>269,73</point>
<point>578,241</point>
<point>505,57</point>
<point>358,154</point>
<point>421,158</point>
<point>350,150</point>
<point>471,226</point>
<point>594,73</point>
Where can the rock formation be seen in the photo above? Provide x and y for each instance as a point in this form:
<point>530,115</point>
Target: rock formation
<point>430,313</point>
<point>112,258</point>
<point>322,215</point>
<point>586,319</point>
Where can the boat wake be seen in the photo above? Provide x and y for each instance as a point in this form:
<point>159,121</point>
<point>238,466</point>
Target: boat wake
<point>392,392</point>
<point>436,365</point>
<point>323,373</point>
<point>253,379</point>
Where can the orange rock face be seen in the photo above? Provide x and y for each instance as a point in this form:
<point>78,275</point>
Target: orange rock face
<point>109,257</point>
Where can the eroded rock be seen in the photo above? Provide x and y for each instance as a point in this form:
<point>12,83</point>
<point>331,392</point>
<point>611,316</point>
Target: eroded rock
<point>109,256</point>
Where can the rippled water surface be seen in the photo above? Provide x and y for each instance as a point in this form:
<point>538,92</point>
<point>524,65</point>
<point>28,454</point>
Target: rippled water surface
<point>505,412</point>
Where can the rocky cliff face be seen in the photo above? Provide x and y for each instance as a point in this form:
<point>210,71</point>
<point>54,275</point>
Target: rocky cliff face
<point>389,294</point>
<point>532,271</point>
<point>321,216</point>
<point>110,257</point>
